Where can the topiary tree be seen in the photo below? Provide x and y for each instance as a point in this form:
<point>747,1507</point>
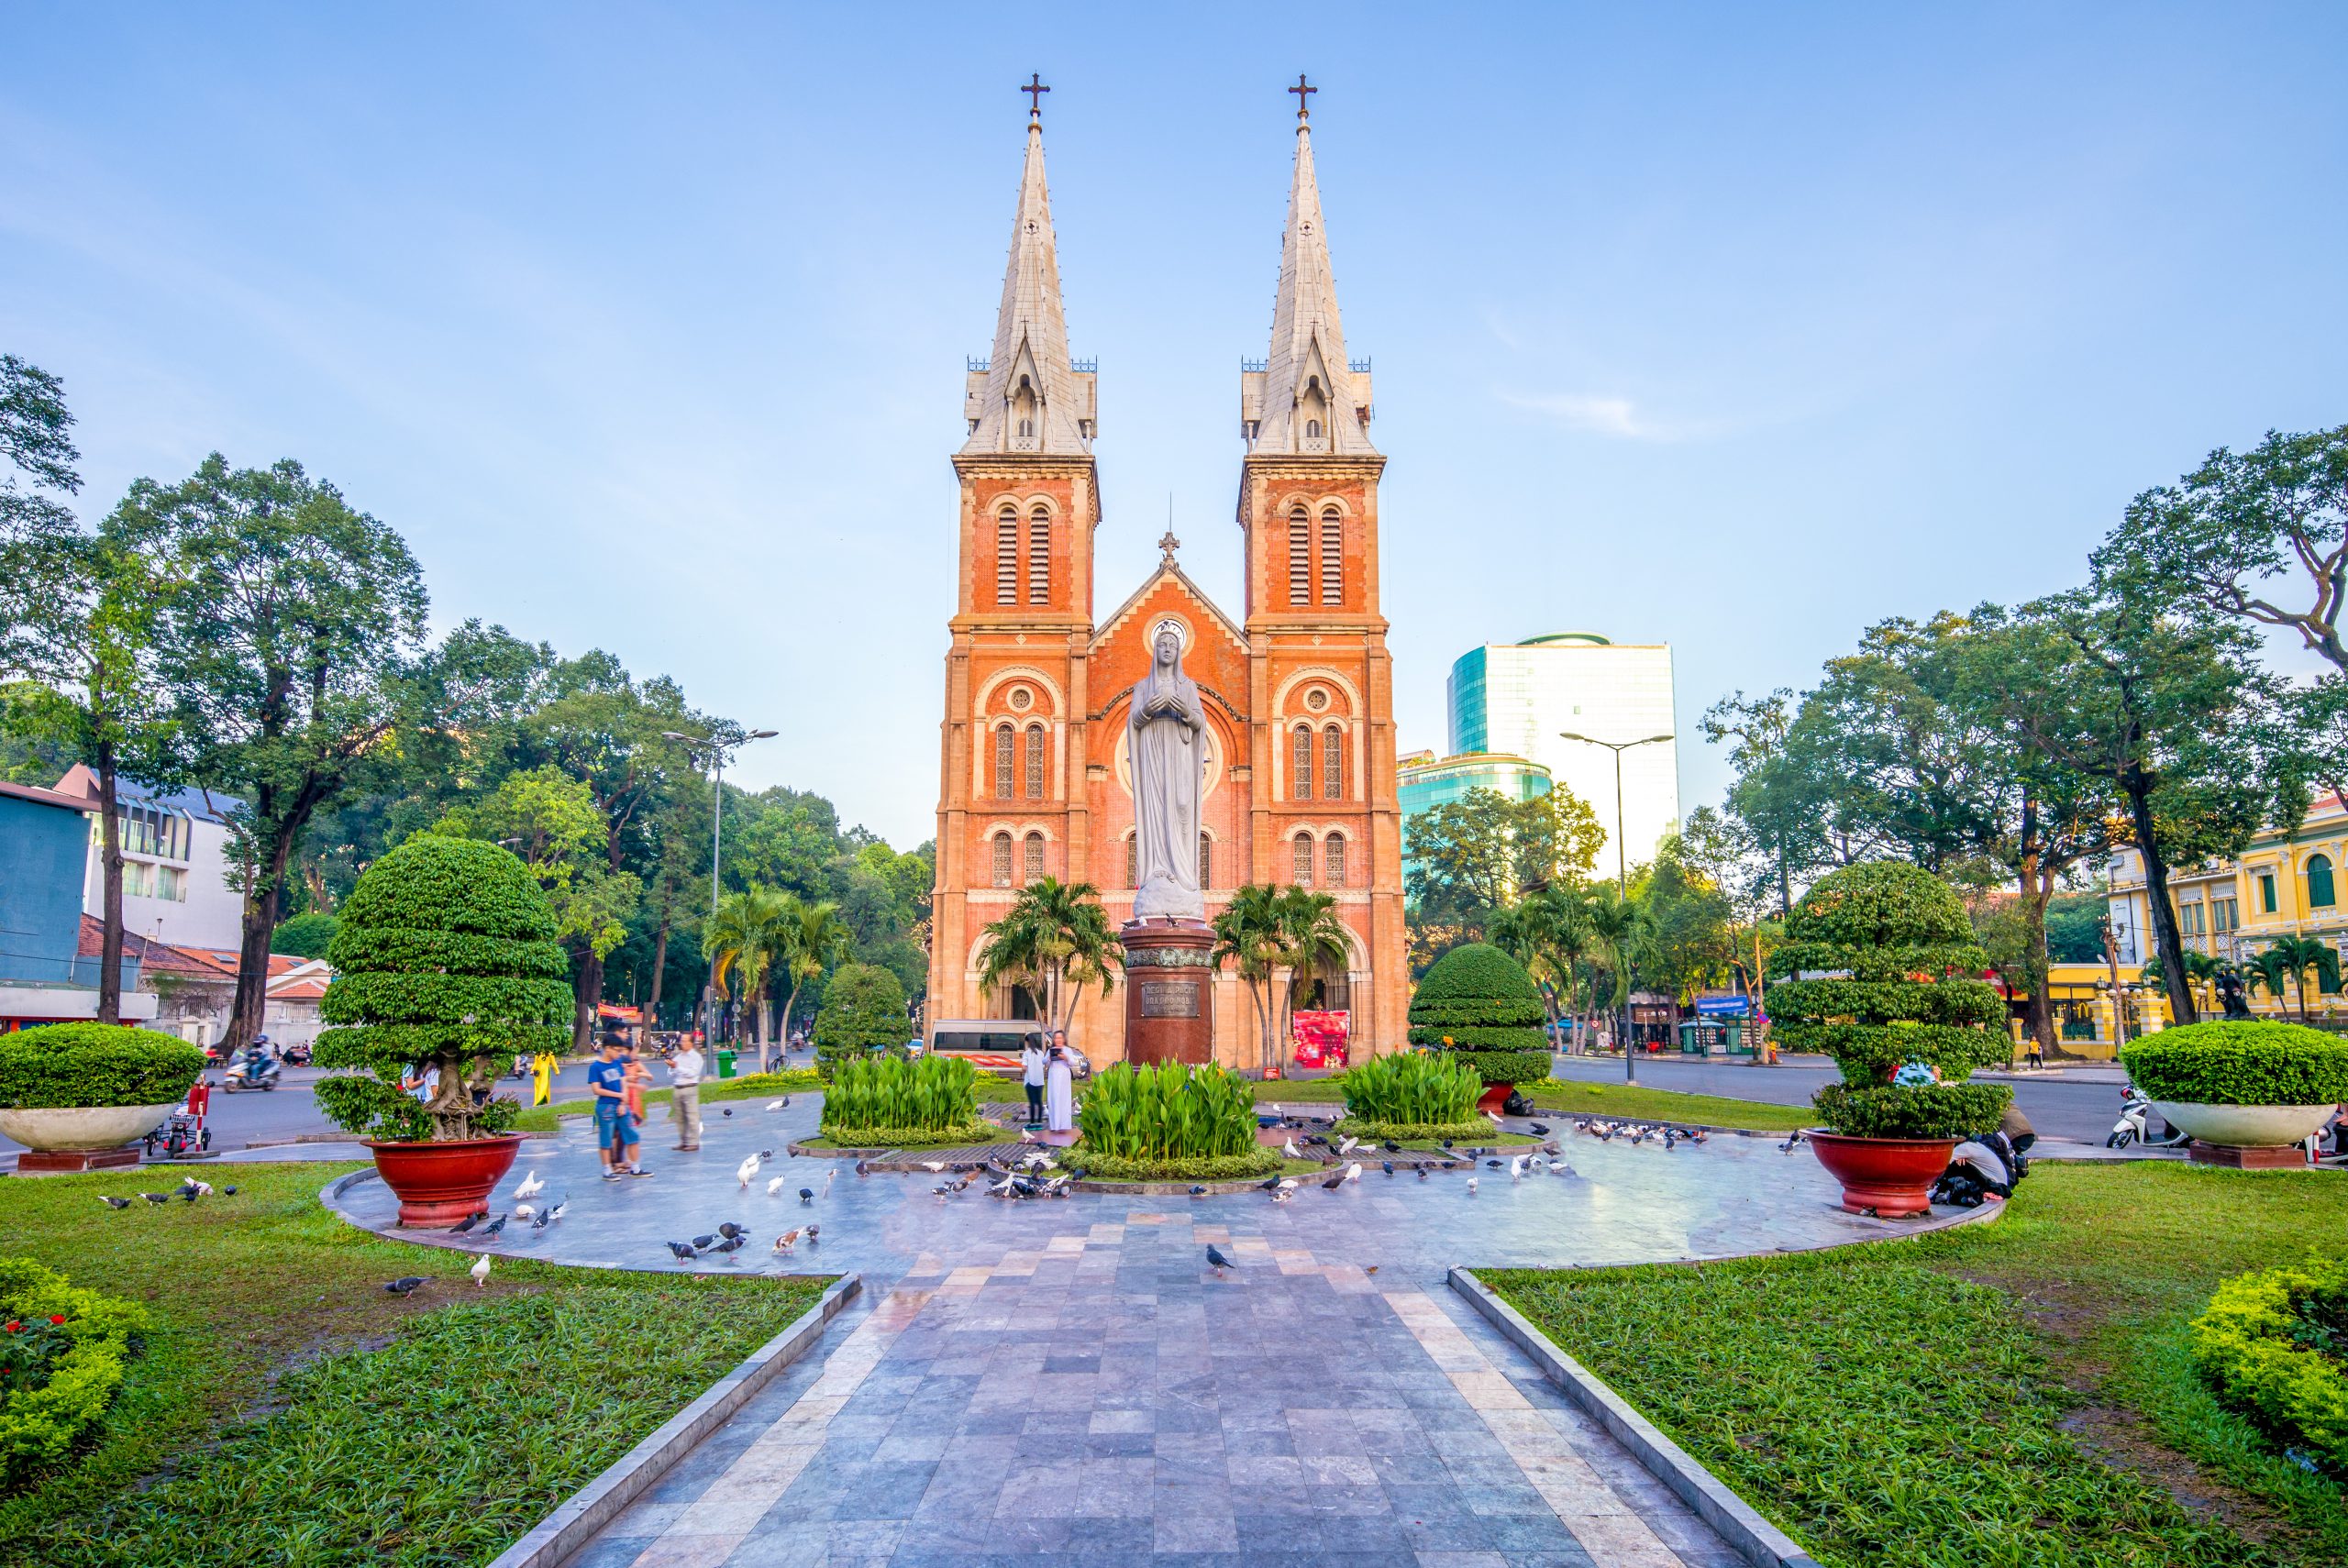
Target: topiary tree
<point>1894,999</point>
<point>864,1007</point>
<point>445,958</point>
<point>1479,1005</point>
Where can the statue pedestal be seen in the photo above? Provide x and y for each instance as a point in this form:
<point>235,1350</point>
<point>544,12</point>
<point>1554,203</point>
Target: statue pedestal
<point>1169,991</point>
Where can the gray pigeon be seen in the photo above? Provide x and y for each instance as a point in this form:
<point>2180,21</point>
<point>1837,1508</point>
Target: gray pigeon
<point>1216,1260</point>
<point>467,1223</point>
<point>806,1195</point>
<point>682,1251</point>
<point>405,1283</point>
<point>113,1202</point>
<point>702,1244</point>
<point>158,1198</point>
<point>495,1226</point>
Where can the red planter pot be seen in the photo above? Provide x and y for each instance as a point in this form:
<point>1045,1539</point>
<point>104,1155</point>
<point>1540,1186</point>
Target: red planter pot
<point>1886,1176</point>
<point>1495,1097</point>
<point>440,1184</point>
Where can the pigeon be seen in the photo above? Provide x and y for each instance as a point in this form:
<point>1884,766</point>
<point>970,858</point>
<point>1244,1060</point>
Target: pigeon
<point>115,1202</point>
<point>1496,1120</point>
<point>1516,1169</point>
<point>185,1194</point>
<point>403,1285</point>
<point>863,1168</point>
<point>545,1216</point>
<point>1793,1141</point>
<point>1446,1142</point>
<point>1028,1137</point>
<point>554,1213</point>
<point>730,1229</point>
<point>228,1192</point>
<point>1270,1185</point>
<point>480,1271</point>
<point>1216,1261</point>
<point>1353,1171</point>
<point>158,1198</point>
<point>778,1104</point>
<point>932,1166</point>
<point>1287,1184</point>
<point>1672,1138</point>
<point>1291,1151</point>
<point>807,1194</point>
<point>1471,1184</point>
<point>489,1232</point>
<point>189,1183</point>
<point>1492,1164</point>
<point>828,1175</point>
<point>775,1185</point>
<point>1391,1147</point>
<point>682,1250</point>
<point>788,1239</point>
<point>746,1170</point>
<point>815,1233</point>
<point>702,1244</point>
<point>1542,1128</point>
<point>1334,1183</point>
<point>766,1153</point>
<point>1386,1166</point>
<point>1346,1145</point>
<point>531,1186</point>
<point>728,1247</point>
<point>524,1211</point>
<point>467,1223</point>
<point>1003,1188</point>
<point>1423,1173</point>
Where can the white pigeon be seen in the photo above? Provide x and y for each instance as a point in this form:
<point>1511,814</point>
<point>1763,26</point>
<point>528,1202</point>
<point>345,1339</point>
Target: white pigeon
<point>1353,1171</point>
<point>775,1185</point>
<point>1516,1169</point>
<point>1496,1120</point>
<point>788,1239</point>
<point>746,1170</point>
<point>777,1104</point>
<point>1288,1184</point>
<point>827,1182</point>
<point>1471,1184</point>
<point>1345,1145</point>
<point>531,1186</point>
<point>201,1189</point>
<point>480,1271</point>
<point>1026,1137</point>
<point>1291,1151</point>
<point>933,1165</point>
<point>556,1212</point>
<point>523,1211</point>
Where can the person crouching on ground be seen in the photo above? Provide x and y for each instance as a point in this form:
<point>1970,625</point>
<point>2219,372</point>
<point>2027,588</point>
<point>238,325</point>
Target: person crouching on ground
<point>684,1091</point>
<point>1031,1074</point>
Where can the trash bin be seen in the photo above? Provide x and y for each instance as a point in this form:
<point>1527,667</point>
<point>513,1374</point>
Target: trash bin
<point>725,1061</point>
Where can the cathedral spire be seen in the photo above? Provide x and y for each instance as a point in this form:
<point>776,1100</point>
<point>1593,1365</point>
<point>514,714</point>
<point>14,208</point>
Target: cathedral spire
<point>1307,397</point>
<point>1030,397</point>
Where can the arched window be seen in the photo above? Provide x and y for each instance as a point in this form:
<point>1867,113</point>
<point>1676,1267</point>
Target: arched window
<point>1206,861</point>
<point>1006,557</point>
<point>1333,764</point>
<point>1027,429</point>
<point>1039,555</point>
<point>1304,860</point>
<point>1333,555</point>
<point>1034,762</point>
<point>1332,860</point>
<point>1299,763</point>
<point>1003,860</point>
<point>2320,894</point>
<point>1312,430</point>
<point>1034,868</point>
<point>1300,557</point>
<point>1003,762</point>
<point>1133,860</point>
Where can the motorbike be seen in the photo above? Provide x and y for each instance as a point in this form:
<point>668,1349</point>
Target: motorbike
<point>2135,1111</point>
<point>251,1071</point>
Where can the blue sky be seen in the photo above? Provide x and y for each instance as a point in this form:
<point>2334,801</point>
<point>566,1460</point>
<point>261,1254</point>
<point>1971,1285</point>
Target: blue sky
<point>1735,327</point>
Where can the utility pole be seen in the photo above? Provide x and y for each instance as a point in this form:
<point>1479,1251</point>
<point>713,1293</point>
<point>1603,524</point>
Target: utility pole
<point>715,745</point>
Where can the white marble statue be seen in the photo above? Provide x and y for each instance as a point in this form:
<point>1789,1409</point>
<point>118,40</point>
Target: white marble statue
<point>1165,745</point>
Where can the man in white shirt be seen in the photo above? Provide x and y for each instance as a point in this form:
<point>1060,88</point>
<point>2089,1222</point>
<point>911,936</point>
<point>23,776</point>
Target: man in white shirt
<point>684,1105</point>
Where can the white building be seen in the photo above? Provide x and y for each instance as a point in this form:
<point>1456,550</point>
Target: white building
<point>1519,698</point>
<point>175,884</point>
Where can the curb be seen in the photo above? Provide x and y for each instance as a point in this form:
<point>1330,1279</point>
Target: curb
<point>593,1505</point>
<point>1738,1523</point>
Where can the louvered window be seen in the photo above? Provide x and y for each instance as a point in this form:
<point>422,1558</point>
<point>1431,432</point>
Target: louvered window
<point>1034,762</point>
<point>1332,860</point>
<point>1299,762</point>
<point>1304,860</point>
<point>1300,557</point>
<point>1002,763</point>
<point>1003,860</point>
<point>1333,557</point>
<point>1333,762</point>
<point>1006,557</point>
<point>1133,860</point>
<point>1039,556</point>
<point>1034,867</point>
<point>1206,861</point>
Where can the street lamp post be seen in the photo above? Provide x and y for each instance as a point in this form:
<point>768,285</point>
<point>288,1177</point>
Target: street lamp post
<point>716,745</point>
<point>1621,877</point>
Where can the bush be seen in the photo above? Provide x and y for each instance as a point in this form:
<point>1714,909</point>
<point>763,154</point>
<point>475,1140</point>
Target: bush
<point>61,1065</point>
<point>1166,1113</point>
<point>444,956</point>
<point>2275,1343</point>
<point>1479,1001</point>
<point>848,1137</point>
<point>864,1008</point>
<point>1897,962</point>
<point>304,936</point>
<point>1467,1129</point>
<point>897,1092</point>
<point>1257,1163</point>
<point>2241,1064</point>
<point>63,1352</point>
<point>1416,1087</point>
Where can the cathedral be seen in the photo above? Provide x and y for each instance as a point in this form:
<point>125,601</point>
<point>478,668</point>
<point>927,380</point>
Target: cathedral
<point>1299,782</point>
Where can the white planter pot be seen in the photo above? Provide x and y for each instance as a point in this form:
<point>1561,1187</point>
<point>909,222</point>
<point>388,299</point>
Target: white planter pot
<point>2244,1126</point>
<point>81,1128</point>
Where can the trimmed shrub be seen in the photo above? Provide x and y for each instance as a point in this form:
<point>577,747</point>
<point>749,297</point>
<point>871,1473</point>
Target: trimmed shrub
<point>1414,1088</point>
<point>900,1095</point>
<point>62,1348</point>
<point>1471,1129</point>
<point>54,1066</point>
<point>1480,1002</point>
<point>848,1137</point>
<point>1895,961</point>
<point>2275,1343</point>
<point>864,1009</point>
<point>1097,1166</point>
<point>445,958</point>
<point>1166,1113</point>
<point>2239,1063</point>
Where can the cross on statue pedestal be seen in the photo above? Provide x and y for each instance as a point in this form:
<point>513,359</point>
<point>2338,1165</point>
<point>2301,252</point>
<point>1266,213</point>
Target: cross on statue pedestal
<point>1035,89</point>
<point>1304,91</point>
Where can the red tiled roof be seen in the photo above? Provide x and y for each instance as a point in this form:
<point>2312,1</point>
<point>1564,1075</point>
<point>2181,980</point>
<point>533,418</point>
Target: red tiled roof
<point>46,797</point>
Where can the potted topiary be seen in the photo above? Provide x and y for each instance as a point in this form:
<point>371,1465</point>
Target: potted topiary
<point>2241,1087</point>
<point>1877,971</point>
<point>1481,1007</point>
<point>75,1094</point>
<point>446,969</point>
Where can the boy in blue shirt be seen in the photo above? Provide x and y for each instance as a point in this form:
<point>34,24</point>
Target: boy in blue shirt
<point>606,1079</point>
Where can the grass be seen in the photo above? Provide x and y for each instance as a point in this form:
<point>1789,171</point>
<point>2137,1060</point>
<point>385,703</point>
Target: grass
<point>2014,1394</point>
<point>751,1085</point>
<point>1574,1097</point>
<point>288,1410</point>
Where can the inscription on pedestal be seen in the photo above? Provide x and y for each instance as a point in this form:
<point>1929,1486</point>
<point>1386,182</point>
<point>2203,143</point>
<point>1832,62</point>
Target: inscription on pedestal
<point>1169,998</point>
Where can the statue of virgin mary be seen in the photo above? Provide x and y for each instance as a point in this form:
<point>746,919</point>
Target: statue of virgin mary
<point>1165,745</point>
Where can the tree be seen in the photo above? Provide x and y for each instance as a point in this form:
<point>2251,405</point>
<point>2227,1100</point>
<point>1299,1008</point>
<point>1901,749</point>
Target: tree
<point>813,938</point>
<point>1768,798</point>
<point>1481,852</point>
<point>1618,926</point>
<point>743,936</point>
<point>1548,931</point>
<point>77,624</point>
<point>1720,849</point>
<point>1688,943</point>
<point>1314,942</point>
<point>1248,936</point>
<point>304,936</point>
<point>864,1009</point>
<point>2290,958</point>
<point>1055,940</point>
<point>290,645</point>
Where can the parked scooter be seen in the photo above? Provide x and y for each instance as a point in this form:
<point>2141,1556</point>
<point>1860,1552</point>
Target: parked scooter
<point>2135,1111</point>
<point>255,1069</point>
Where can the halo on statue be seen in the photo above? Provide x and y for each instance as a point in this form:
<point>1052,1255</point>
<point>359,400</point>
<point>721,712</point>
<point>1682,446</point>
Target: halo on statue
<point>1180,628</point>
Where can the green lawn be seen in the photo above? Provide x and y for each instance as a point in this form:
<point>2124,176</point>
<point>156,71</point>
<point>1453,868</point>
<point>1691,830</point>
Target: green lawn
<point>751,1085</point>
<point>288,1411</point>
<point>1635,1101</point>
<point>2014,1394</point>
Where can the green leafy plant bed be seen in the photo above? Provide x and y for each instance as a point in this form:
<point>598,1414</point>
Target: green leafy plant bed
<point>63,1350</point>
<point>285,1408</point>
<point>2276,1344</point>
<point>909,1137</point>
<point>1470,1130</point>
<point>1097,1166</point>
<point>894,1093</point>
<point>57,1067</point>
<point>2236,1063</point>
<point>1168,1113</point>
<point>1416,1087</point>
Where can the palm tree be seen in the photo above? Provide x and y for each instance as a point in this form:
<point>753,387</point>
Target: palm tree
<point>811,938</point>
<point>2198,967</point>
<point>1248,934</point>
<point>1548,931</point>
<point>2293,956</point>
<point>1313,941</point>
<point>1617,925</point>
<point>1054,941</point>
<point>739,940</point>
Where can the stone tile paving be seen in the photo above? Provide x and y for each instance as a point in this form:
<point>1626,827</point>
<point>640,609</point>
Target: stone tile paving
<point>1066,1381</point>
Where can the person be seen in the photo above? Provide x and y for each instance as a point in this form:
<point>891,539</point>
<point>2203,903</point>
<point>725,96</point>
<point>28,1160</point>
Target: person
<point>1059,1087</point>
<point>606,1081</point>
<point>423,1085</point>
<point>2017,1129</point>
<point>2034,1053</point>
<point>1031,1073</point>
<point>634,1076</point>
<point>684,1098</point>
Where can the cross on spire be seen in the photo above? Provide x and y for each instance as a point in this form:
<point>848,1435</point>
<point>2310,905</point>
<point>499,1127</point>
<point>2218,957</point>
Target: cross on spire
<point>1167,544</point>
<point>1304,91</point>
<point>1035,89</point>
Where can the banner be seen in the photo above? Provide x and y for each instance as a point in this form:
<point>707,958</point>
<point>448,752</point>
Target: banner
<point>1319,1037</point>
